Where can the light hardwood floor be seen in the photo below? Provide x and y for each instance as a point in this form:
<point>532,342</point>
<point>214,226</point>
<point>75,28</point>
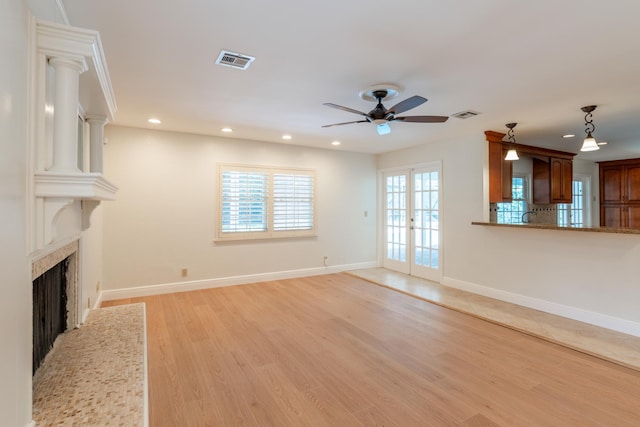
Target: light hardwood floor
<point>336,350</point>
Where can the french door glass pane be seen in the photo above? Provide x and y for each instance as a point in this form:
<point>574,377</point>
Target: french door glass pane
<point>396,217</point>
<point>426,219</point>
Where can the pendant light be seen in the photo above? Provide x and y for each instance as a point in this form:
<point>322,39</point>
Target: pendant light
<point>589,143</point>
<point>512,154</point>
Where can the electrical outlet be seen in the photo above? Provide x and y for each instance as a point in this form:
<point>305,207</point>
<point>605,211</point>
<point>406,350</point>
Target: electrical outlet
<point>325,260</point>
<point>184,272</point>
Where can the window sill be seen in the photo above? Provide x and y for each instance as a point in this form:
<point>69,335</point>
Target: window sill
<point>262,238</point>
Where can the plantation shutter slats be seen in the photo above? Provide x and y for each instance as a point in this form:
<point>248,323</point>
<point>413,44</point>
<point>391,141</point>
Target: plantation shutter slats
<point>292,202</point>
<point>244,201</point>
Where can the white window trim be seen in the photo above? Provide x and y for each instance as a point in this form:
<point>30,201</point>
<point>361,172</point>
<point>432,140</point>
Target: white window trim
<point>221,236</point>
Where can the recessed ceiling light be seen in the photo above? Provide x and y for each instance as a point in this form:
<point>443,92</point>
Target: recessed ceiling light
<point>602,143</point>
<point>227,130</point>
<point>335,143</point>
<point>569,135</point>
<point>287,137</point>
<point>154,121</point>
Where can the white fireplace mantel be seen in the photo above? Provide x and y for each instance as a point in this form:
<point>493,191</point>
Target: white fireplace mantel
<point>82,186</point>
<point>80,81</point>
<point>85,46</point>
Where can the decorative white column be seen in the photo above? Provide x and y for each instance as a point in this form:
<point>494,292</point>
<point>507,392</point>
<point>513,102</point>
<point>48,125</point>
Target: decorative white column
<point>65,114</point>
<point>96,142</point>
<point>69,51</point>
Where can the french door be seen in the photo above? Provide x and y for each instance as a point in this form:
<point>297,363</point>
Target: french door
<point>412,237</point>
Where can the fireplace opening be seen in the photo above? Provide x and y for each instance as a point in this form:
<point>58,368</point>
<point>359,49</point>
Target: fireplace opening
<point>49,310</point>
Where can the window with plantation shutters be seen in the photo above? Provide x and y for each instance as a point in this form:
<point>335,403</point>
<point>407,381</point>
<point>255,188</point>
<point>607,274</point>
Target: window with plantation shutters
<point>292,201</point>
<point>258,202</point>
<point>244,201</point>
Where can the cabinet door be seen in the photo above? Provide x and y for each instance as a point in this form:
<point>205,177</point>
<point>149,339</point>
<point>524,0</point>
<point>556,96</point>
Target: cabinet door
<point>541,181</point>
<point>632,184</point>
<point>633,216</point>
<point>567,181</point>
<point>612,216</point>
<point>500,172</point>
<point>561,180</point>
<point>611,187</point>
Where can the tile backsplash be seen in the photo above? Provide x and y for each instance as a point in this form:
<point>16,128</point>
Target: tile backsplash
<point>542,213</point>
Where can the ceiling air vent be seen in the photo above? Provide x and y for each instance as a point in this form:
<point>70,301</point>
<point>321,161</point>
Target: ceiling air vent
<point>235,60</point>
<point>465,114</point>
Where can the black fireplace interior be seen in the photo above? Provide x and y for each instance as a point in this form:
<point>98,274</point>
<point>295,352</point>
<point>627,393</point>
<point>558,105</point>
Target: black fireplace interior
<point>49,310</point>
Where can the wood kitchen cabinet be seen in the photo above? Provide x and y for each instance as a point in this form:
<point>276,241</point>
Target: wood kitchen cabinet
<point>552,171</point>
<point>552,180</point>
<point>620,216</point>
<point>561,180</point>
<point>500,170</point>
<point>620,193</point>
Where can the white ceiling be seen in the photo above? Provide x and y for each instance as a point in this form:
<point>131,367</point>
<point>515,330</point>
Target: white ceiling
<point>534,62</point>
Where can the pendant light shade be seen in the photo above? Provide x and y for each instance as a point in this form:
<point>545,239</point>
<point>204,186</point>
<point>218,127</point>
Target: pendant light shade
<point>512,154</point>
<point>589,143</point>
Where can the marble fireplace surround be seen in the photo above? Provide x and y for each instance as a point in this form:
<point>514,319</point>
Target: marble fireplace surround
<point>45,262</point>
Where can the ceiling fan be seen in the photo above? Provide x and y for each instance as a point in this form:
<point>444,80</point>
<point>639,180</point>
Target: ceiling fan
<point>381,116</point>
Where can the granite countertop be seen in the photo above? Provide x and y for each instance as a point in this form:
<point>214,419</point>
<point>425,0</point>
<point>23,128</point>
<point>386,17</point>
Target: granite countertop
<point>555,227</point>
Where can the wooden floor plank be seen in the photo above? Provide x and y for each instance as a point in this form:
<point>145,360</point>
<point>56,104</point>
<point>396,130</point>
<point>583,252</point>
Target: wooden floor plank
<point>337,350</point>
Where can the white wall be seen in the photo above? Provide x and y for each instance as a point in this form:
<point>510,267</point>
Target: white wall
<point>588,274</point>
<point>91,255</point>
<point>15,304</point>
<point>163,218</point>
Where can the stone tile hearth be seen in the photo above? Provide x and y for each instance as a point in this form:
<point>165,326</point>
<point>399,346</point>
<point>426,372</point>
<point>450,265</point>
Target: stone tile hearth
<point>95,375</point>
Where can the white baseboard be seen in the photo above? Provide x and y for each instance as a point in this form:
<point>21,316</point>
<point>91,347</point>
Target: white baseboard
<point>166,288</point>
<point>31,424</point>
<point>598,319</point>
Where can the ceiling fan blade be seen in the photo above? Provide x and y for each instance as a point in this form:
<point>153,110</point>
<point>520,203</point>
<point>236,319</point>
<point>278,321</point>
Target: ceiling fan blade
<point>340,107</point>
<point>345,123</point>
<point>407,104</point>
<point>422,119</point>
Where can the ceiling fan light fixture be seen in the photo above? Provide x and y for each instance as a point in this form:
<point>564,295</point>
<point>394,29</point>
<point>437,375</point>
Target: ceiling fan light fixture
<point>589,143</point>
<point>383,128</point>
<point>381,116</point>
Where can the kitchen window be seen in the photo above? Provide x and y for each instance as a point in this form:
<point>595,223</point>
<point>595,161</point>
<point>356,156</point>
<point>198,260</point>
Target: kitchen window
<point>262,202</point>
<point>511,213</point>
